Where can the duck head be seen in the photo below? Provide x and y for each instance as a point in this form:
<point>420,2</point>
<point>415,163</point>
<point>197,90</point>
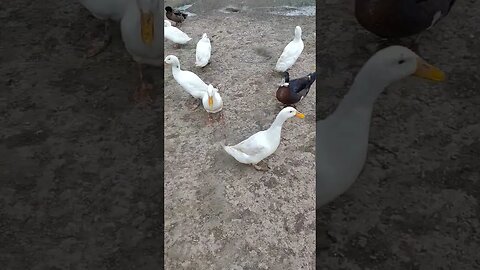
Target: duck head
<point>289,112</point>
<point>298,32</point>
<point>169,9</point>
<point>147,10</point>
<point>396,62</point>
<point>172,60</point>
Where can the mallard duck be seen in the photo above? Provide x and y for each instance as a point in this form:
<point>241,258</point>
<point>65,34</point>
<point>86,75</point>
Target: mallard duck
<point>174,34</point>
<point>397,19</point>
<point>203,51</point>
<point>342,138</point>
<point>188,80</point>
<point>142,36</point>
<point>295,90</point>
<point>212,102</point>
<point>175,15</point>
<point>262,144</point>
<point>291,52</point>
<point>106,10</point>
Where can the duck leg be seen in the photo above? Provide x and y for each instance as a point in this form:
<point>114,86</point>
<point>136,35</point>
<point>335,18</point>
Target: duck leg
<point>97,46</point>
<point>142,93</point>
<point>195,104</point>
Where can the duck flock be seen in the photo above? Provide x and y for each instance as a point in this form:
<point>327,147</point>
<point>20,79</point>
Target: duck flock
<point>261,144</point>
<point>342,137</point>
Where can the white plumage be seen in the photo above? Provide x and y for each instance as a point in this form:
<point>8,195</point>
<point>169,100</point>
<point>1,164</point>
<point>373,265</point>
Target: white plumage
<point>203,51</point>
<point>291,52</point>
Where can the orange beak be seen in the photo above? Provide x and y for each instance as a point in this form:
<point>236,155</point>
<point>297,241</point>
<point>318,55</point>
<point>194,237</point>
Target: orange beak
<point>147,27</point>
<point>300,115</point>
<point>210,102</point>
<point>427,71</point>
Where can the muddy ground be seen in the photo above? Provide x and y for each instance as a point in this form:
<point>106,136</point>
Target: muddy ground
<point>416,204</point>
<point>220,214</point>
<point>81,167</point>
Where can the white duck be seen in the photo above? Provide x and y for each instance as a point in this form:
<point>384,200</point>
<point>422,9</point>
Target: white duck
<point>174,34</point>
<point>142,36</point>
<point>203,51</point>
<point>212,102</point>
<point>342,138</point>
<point>291,52</point>
<point>105,10</point>
<point>188,80</point>
<point>264,143</point>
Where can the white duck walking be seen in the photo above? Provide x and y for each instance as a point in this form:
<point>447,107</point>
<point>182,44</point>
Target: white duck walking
<point>263,143</point>
<point>342,138</point>
<point>174,34</point>
<point>142,36</point>
<point>108,11</point>
<point>291,52</point>
<point>188,80</point>
<point>203,51</point>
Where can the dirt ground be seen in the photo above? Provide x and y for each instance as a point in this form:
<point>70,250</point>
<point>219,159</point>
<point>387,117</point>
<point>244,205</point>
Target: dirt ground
<point>416,204</point>
<point>220,214</point>
<point>80,166</point>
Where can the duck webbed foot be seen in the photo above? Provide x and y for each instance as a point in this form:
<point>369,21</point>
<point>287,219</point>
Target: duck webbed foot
<point>98,45</point>
<point>261,168</point>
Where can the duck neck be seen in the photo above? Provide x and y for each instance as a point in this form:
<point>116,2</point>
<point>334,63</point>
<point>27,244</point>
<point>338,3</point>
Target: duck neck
<point>176,68</point>
<point>278,123</point>
<point>365,89</point>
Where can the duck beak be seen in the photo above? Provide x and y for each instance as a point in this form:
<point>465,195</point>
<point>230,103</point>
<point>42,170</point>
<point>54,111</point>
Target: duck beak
<point>147,27</point>
<point>210,102</point>
<point>427,71</point>
<point>300,115</point>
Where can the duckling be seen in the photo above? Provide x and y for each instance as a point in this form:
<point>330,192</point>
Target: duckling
<point>203,51</point>
<point>188,80</point>
<point>398,19</point>
<point>108,11</point>
<point>174,34</point>
<point>175,15</point>
<point>263,143</point>
<point>212,102</point>
<point>291,52</point>
<point>295,90</point>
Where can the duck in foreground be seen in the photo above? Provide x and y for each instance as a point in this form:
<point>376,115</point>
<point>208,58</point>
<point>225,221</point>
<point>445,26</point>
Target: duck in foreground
<point>108,11</point>
<point>175,15</point>
<point>291,92</point>
<point>291,52</point>
<point>397,19</point>
<point>142,36</point>
<point>203,51</point>
<point>212,102</point>
<point>174,34</point>
<point>262,144</point>
<point>342,138</point>
<point>188,80</point>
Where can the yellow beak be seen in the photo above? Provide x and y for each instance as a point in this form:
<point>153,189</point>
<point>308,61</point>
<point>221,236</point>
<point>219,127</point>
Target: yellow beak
<point>427,71</point>
<point>300,115</point>
<point>147,27</point>
<point>210,102</point>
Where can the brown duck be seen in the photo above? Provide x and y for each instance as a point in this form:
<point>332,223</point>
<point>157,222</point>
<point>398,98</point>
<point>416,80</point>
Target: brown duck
<point>295,90</point>
<point>400,18</point>
<point>175,15</point>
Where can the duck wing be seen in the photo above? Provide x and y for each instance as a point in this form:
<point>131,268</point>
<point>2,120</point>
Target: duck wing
<point>301,86</point>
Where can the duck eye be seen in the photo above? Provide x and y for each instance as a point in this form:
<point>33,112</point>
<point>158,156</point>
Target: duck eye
<point>401,61</point>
